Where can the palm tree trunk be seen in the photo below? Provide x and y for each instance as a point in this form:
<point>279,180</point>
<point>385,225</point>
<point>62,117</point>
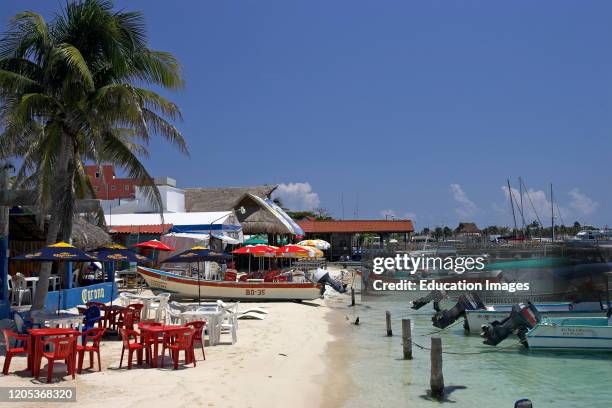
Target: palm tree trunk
<point>62,209</point>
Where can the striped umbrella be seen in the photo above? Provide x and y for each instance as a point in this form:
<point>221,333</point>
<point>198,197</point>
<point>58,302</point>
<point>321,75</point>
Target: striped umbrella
<point>316,243</point>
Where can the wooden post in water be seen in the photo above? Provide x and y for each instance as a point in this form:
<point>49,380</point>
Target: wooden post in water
<point>352,296</point>
<point>406,339</point>
<point>388,317</point>
<point>437,379</point>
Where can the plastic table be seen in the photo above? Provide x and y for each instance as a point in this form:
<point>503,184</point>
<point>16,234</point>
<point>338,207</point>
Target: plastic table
<point>211,317</point>
<point>155,331</point>
<point>36,336</point>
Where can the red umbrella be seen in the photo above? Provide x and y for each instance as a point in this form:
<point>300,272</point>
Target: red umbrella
<point>155,244</point>
<point>287,250</point>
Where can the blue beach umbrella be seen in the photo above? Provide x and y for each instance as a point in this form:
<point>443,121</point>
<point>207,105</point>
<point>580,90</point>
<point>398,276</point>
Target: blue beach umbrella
<point>118,253</point>
<point>57,252</point>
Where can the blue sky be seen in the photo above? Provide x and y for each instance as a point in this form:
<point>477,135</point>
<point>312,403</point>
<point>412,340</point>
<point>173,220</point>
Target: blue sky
<point>416,109</point>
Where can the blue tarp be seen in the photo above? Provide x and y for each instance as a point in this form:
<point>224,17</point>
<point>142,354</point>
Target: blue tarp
<point>204,228</point>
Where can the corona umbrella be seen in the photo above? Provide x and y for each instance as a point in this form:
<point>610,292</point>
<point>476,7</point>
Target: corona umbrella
<point>57,252</point>
<point>118,253</point>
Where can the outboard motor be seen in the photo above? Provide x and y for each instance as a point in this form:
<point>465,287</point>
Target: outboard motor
<point>467,301</point>
<point>435,295</point>
<point>523,318</point>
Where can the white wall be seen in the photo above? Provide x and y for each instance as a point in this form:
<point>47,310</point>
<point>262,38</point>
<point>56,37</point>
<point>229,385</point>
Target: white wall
<point>173,201</point>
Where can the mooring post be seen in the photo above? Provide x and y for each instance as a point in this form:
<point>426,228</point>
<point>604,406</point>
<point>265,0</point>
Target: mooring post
<point>352,296</point>
<point>523,403</point>
<point>437,379</point>
<point>388,317</point>
<point>407,339</point>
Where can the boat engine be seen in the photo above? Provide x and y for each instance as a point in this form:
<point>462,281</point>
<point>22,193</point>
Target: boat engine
<point>467,301</point>
<point>523,317</point>
<point>435,295</point>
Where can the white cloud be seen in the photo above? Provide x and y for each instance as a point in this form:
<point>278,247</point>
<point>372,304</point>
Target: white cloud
<point>410,216</point>
<point>297,196</point>
<point>466,208</point>
<point>582,203</point>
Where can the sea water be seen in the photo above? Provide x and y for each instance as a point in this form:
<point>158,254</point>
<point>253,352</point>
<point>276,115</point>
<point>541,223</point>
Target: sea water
<point>475,375</point>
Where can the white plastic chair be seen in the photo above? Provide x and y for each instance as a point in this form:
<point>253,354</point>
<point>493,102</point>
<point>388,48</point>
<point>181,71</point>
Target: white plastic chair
<point>161,307</point>
<point>124,299</point>
<point>228,321</point>
<point>20,289</point>
<point>174,315</point>
<point>75,277</point>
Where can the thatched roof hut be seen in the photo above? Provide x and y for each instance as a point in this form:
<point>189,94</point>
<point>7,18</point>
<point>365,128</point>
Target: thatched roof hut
<point>467,228</point>
<point>222,198</point>
<point>85,235</point>
<point>257,218</point>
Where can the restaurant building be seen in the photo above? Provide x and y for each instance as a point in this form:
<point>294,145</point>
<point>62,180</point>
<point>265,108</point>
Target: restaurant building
<point>347,236</point>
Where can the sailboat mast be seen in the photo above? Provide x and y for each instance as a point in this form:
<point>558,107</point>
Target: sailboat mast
<point>512,207</point>
<point>552,212</point>
<point>522,209</point>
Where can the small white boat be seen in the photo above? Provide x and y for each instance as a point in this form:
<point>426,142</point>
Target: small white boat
<point>187,287</point>
<point>477,318</point>
<point>571,333</point>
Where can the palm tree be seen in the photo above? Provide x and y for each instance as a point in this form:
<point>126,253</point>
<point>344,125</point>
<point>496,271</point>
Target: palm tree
<point>71,91</point>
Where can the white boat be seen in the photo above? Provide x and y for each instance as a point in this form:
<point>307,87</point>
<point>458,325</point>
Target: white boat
<point>571,333</point>
<point>187,287</point>
<point>477,318</point>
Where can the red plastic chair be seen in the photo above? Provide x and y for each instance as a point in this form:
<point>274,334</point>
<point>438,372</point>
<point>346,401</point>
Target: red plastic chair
<point>180,340</point>
<point>10,352</point>
<point>137,308</point>
<point>229,276</point>
<point>63,349</point>
<point>198,326</point>
<point>94,335</point>
<point>127,319</point>
<point>126,335</point>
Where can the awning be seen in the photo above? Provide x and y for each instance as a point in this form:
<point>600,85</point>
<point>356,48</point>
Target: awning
<point>205,237</point>
<point>279,213</point>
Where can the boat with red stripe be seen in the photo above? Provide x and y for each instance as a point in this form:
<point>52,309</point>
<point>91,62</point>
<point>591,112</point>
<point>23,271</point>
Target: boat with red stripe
<point>250,290</point>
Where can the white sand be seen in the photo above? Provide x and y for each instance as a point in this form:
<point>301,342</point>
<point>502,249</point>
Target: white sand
<point>251,373</point>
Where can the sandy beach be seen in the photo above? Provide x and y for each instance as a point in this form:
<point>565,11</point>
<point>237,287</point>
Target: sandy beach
<point>290,356</point>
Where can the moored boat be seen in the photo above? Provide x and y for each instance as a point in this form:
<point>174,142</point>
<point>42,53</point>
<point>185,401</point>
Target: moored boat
<point>571,333</point>
<point>256,290</point>
<point>477,318</point>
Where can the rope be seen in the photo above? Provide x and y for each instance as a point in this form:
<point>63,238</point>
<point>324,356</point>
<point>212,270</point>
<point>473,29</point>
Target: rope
<point>441,330</point>
<point>493,350</point>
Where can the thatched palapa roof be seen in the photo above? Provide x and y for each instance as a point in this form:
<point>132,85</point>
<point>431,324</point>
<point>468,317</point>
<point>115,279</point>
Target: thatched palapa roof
<point>257,218</point>
<point>85,235</point>
<point>222,198</point>
<point>467,228</point>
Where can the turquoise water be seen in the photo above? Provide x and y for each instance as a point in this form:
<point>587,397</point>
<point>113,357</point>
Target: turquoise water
<point>490,379</point>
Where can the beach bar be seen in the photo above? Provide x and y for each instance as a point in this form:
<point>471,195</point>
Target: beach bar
<point>66,286</point>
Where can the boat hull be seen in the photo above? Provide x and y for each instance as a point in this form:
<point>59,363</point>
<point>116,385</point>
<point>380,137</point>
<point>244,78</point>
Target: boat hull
<point>477,318</point>
<point>571,334</point>
<point>187,287</point>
